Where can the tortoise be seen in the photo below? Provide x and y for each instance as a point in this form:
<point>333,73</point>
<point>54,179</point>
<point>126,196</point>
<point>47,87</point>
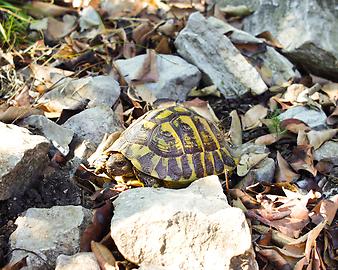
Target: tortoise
<point>170,147</point>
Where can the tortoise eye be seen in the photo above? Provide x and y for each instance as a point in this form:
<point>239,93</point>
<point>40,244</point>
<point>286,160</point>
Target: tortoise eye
<point>121,163</point>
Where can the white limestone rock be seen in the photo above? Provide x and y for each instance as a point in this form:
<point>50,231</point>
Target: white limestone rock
<point>71,93</point>
<point>176,77</point>
<point>328,151</point>
<point>313,118</point>
<point>192,228</point>
<point>205,46</point>
<point>48,233</point>
<point>91,124</point>
<point>79,261</point>
<point>23,157</point>
<point>307,30</point>
<point>59,136</point>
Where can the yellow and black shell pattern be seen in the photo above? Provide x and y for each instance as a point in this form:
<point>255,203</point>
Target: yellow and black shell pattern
<point>175,144</point>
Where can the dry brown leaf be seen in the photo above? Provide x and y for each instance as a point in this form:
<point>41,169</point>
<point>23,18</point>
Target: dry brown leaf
<point>46,75</point>
<point>317,138</point>
<point>294,125</point>
<point>148,72</point>
<point>235,128</point>
<point>203,108</point>
<point>268,38</point>
<point>142,32</point>
<point>163,46</point>
<point>14,113</point>
<point>292,92</point>
<point>325,210</point>
<point>268,139</point>
<point>103,255</point>
<point>23,98</point>
<point>211,90</point>
<point>302,159</point>
<point>311,239</point>
<point>284,173</point>
<point>40,9</point>
<point>332,119</point>
<point>302,138</point>
<point>247,200</point>
<point>251,119</point>
<point>248,161</point>
<point>275,259</point>
<point>331,89</point>
<point>59,29</point>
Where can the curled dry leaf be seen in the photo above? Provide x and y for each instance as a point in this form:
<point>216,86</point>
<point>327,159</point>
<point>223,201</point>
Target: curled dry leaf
<point>251,119</point>
<point>248,161</point>
<point>317,138</point>
<point>13,113</point>
<point>99,227</point>
<point>142,32</point>
<point>235,128</point>
<point>211,90</point>
<point>268,38</point>
<point>275,259</point>
<point>332,119</point>
<point>302,159</point>
<point>325,210</point>
<point>268,139</point>
<point>292,92</point>
<point>294,125</point>
<point>203,108</point>
<point>148,72</point>
<point>103,255</point>
<point>302,138</point>
<point>39,9</point>
<point>331,89</point>
<point>284,173</point>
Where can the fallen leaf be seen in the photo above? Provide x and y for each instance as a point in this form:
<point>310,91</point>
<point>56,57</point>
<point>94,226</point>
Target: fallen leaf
<point>284,173</point>
<point>251,119</point>
<point>142,33</point>
<point>332,119</point>
<point>98,228</point>
<point>302,138</point>
<point>325,210</point>
<point>39,9</point>
<point>302,159</point>
<point>103,255</point>
<point>18,265</point>
<point>58,29</point>
<point>247,200</point>
<point>292,92</point>
<point>163,46</point>
<point>236,11</point>
<point>317,138</point>
<point>235,128</point>
<point>311,239</point>
<point>275,259</point>
<point>202,108</point>
<point>294,125</point>
<point>331,89</point>
<point>13,113</point>
<point>211,90</point>
<point>248,161</point>
<point>267,139</point>
<point>148,72</point>
<point>268,38</point>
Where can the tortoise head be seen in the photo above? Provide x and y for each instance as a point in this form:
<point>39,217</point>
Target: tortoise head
<point>118,165</point>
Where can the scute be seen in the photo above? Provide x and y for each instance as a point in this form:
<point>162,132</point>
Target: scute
<point>174,144</point>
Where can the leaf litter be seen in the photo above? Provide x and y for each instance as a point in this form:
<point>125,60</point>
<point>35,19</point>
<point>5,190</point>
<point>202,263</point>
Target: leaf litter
<point>293,228</point>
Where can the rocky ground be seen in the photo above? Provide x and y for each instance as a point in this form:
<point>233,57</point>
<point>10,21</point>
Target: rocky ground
<point>265,73</point>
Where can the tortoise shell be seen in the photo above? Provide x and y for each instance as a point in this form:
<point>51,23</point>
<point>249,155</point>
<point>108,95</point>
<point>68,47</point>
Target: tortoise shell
<point>174,144</point>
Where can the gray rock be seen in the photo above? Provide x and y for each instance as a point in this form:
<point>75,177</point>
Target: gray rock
<point>48,233</point>
<point>248,148</point>
<point>89,18</point>
<point>282,70</point>
<point>264,171</point>
<point>59,136</point>
<point>93,123</point>
<point>71,93</point>
<point>327,151</point>
<point>23,157</point>
<point>79,261</point>
<point>313,118</point>
<point>298,26</point>
<point>154,227</point>
<point>176,77</point>
<point>204,45</point>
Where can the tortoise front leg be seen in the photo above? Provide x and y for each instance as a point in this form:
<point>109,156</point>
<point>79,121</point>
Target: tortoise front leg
<point>147,180</point>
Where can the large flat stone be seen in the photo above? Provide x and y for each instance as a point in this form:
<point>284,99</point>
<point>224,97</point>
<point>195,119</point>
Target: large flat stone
<point>23,157</point>
<point>91,124</point>
<point>307,30</point>
<point>192,228</point>
<point>204,45</point>
<point>176,77</point>
<point>48,233</point>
